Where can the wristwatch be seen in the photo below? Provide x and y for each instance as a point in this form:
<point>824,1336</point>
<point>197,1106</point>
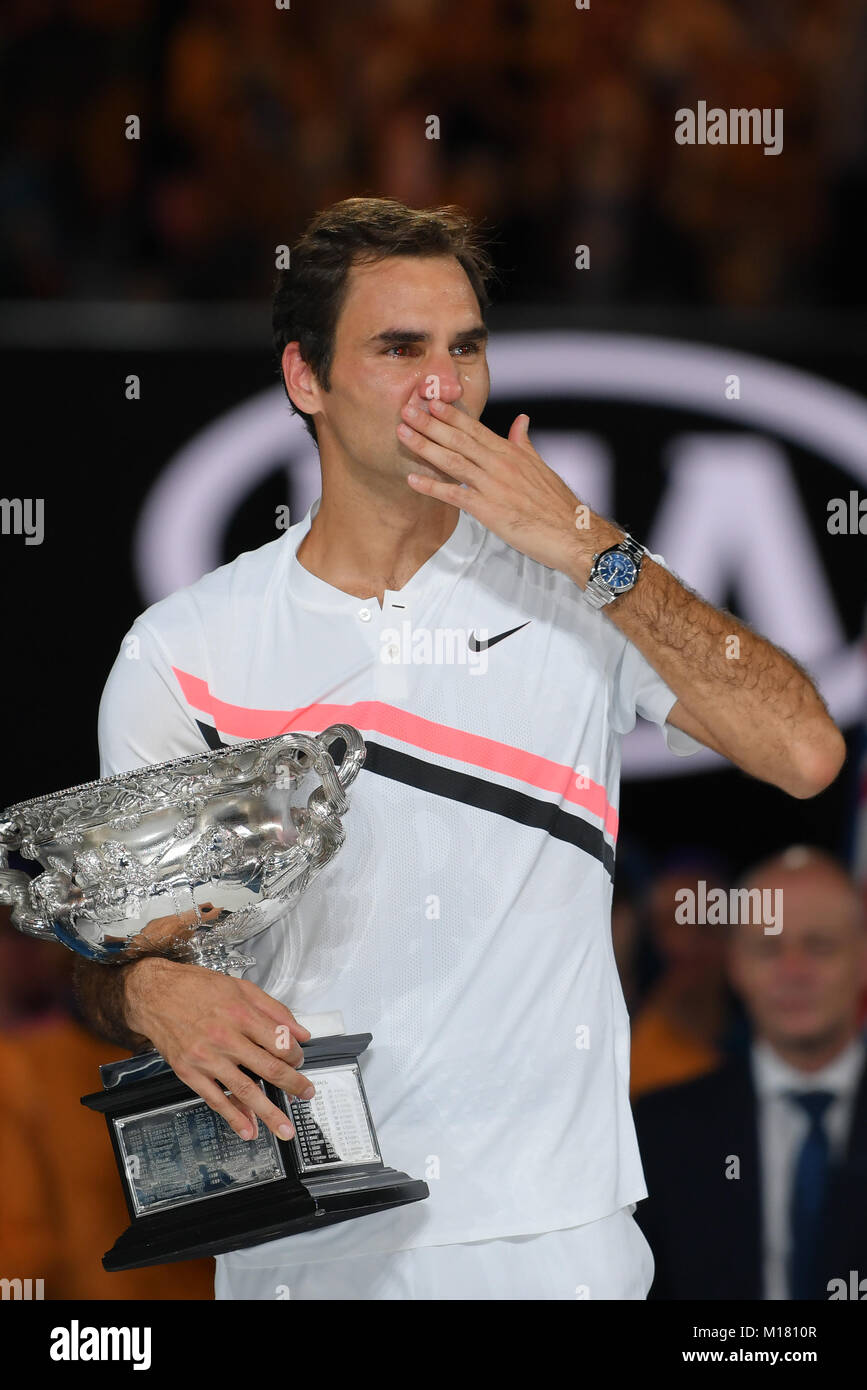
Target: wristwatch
<point>614,571</point>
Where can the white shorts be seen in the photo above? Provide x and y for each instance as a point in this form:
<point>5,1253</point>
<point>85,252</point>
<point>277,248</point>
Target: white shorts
<point>607,1259</point>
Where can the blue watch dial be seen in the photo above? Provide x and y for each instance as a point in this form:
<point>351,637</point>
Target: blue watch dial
<point>617,570</point>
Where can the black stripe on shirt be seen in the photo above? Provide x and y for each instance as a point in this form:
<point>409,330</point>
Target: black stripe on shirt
<point>489,796</point>
<point>533,811</point>
<point>210,735</point>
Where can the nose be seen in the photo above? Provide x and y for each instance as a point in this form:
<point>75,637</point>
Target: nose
<point>795,967</point>
<point>440,379</point>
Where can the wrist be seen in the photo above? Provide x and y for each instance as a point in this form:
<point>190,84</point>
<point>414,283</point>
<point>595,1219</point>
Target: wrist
<point>598,536</point>
<point>614,572</point>
<point>139,981</point>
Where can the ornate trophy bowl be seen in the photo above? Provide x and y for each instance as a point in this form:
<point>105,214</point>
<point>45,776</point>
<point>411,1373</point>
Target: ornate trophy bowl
<point>189,859</point>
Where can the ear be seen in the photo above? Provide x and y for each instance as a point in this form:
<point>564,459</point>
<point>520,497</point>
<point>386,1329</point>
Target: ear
<point>301,384</point>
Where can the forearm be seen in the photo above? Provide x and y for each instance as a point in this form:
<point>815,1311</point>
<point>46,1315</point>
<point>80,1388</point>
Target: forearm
<point>761,709</point>
<point>101,992</point>
<point>733,680</point>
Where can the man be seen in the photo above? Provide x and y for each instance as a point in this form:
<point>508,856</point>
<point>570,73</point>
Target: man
<point>758,1172</point>
<point>465,923</point>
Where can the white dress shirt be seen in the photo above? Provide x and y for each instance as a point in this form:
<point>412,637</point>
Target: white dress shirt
<point>782,1128</point>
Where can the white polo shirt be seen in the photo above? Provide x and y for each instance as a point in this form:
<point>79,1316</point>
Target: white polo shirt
<point>465,922</point>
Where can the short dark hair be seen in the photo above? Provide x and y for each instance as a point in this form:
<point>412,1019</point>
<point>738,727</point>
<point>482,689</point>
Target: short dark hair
<point>309,293</point>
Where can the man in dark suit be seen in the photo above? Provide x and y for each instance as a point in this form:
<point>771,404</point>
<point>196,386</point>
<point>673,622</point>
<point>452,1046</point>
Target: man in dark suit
<point>757,1172</point>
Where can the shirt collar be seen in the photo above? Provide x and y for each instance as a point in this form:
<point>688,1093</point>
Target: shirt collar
<point>772,1076</point>
<point>445,564</point>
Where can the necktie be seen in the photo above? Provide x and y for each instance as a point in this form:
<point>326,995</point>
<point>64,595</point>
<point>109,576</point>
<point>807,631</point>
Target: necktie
<point>808,1193</point>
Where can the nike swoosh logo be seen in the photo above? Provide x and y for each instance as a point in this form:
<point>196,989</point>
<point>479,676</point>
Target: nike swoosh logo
<point>477,646</point>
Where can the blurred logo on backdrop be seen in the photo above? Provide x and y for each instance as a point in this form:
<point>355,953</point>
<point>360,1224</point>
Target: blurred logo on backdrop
<point>729,518</point>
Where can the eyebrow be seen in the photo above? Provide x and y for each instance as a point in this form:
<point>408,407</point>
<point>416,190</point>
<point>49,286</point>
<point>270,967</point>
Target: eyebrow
<point>390,337</point>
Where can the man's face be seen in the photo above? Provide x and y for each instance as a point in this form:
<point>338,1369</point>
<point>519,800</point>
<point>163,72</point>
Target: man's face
<point>408,326</point>
<point>802,985</point>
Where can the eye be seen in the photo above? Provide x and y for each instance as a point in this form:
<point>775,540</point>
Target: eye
<point>819,947</point>
<point>465,349</point>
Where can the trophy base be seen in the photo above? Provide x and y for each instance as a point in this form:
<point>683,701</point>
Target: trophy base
<point>245,1221</point>
<point>194,1189</point>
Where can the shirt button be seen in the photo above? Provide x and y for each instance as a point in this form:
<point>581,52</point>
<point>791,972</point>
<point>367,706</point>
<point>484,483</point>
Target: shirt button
<point>393,653</point>
<point>364,614</point>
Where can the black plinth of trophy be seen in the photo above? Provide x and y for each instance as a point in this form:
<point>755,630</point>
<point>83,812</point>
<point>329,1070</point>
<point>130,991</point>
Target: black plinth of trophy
<point>193,1188</point>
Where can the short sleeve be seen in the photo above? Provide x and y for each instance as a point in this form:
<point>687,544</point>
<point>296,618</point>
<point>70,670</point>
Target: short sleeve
<point>639,689</point>
<point>143,718</point>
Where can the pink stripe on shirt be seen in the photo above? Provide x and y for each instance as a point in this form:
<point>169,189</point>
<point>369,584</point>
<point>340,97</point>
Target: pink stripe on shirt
<point>376,717</point>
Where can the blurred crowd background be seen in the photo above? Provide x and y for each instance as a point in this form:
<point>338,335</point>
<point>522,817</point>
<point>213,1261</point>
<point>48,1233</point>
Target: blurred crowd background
<point>551,120</point>
<point>556,126</point>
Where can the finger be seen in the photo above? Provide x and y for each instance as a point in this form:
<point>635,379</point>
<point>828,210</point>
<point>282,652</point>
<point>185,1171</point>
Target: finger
<point>250,1096</point>
<point>459,433</point>
<point>448,461</point>
<point>275,1038</point>
<point>520,430</point>
<point>233,1111</point>
<point>476,435</point>
<point>249,1118</point>
<point>272,1069</point>
<point>452,493</point>
<point>274,1009</point>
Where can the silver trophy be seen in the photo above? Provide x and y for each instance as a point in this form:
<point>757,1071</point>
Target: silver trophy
<point>191,859</point>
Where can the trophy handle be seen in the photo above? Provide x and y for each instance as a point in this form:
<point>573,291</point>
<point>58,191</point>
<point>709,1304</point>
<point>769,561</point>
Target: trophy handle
<point>329,800</point>
<point>355,753</point>
<point>16,889</point>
